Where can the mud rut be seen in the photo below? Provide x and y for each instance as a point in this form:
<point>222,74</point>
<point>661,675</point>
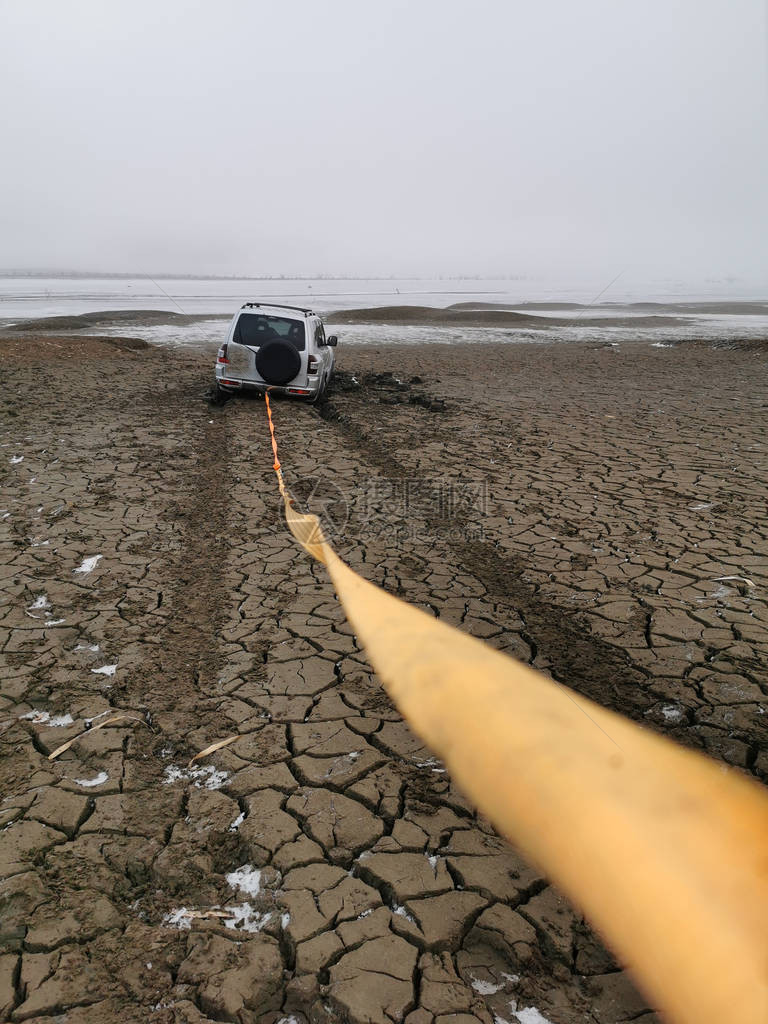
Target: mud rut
<point>360,884</point>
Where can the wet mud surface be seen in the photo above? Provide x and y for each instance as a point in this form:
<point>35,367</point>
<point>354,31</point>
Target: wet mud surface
<point>598,514</point>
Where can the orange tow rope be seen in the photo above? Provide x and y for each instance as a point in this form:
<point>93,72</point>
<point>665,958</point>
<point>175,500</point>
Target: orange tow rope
<point>664,850</point>
<point>276,464</point>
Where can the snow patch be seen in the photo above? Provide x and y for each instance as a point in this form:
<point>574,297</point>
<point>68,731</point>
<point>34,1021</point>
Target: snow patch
<point>59,721</point>
<point>105,670</point>
<point>100,779</point>
<point>206,777</point>
<point>671,712</point>
<point>237,823</point>
<point>44,718</point>
<point>402,912</point>
<point>530,1015</point>
<point>40,602</point>
<point>16,459</point>
<point>246,918</point>
<point>431,762</point>
<point>246,878</point>
<point>38,717</point>
<point>178,919</point>
<point>486,988</point>
<point>88,564</point>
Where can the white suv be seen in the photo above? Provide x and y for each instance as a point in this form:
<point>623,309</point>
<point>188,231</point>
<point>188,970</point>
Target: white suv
<point>276,348</point>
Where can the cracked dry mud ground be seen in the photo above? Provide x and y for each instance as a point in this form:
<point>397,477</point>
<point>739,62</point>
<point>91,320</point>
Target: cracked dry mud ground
<point>619,545</point>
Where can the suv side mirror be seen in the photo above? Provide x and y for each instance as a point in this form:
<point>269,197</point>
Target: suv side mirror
<point>332,340</point>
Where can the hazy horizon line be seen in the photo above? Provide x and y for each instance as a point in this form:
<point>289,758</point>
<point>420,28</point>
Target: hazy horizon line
<point>71,274</point>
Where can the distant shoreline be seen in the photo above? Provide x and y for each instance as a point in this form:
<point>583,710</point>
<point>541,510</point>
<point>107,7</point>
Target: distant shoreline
<point>82,275</point>
<point>521,316</point>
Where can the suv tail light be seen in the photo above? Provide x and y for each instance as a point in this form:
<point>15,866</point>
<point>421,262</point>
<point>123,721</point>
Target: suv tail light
<point>222,356</point>
<point>312,364</point>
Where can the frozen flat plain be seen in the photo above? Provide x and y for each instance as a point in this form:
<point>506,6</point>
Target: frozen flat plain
<point>23,298</point>
<point>210,332</point>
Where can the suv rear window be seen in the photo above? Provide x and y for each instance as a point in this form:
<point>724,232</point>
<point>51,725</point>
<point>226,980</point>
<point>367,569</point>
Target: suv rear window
<point>256,329</point>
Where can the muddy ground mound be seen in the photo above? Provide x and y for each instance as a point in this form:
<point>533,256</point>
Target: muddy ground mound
<point>104,318</point>
<point>66,347</point>
<point>460,316</point>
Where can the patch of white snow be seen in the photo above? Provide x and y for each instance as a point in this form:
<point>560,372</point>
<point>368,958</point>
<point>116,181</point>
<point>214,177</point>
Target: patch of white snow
<point>530,1015</point>
<point>402,912</point>
<point>486,988</point>
<point>178,919</point>
<point>206,777</point>
<point>671,712</point>
<point>88,564</point>
<point>45,718</point>
<point>105,670</point>
<point>246,878</point>
<point>100,779</point>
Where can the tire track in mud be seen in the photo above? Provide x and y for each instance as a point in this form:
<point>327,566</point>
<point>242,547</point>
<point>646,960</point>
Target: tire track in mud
<point>378,817</point>
<point>186,664</point>
<point>615,561</point>
<point>105,871</point>
<point>559,639</point>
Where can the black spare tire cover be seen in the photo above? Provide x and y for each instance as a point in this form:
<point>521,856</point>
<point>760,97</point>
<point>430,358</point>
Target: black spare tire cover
<point>277,362</point>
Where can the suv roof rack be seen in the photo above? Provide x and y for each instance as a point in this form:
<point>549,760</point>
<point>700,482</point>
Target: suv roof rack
<point>277,305</point>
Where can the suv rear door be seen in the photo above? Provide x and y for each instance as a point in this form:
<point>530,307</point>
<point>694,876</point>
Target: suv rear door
<point>255,329</point>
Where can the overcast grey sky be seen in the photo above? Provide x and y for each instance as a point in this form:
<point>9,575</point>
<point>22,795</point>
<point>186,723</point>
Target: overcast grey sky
<point>433,136</point>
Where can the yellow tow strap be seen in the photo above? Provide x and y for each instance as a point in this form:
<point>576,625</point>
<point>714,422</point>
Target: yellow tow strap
<point>664,850</point>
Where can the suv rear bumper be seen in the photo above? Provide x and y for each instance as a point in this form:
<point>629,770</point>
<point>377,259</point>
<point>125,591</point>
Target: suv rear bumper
<point>234,384</point>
